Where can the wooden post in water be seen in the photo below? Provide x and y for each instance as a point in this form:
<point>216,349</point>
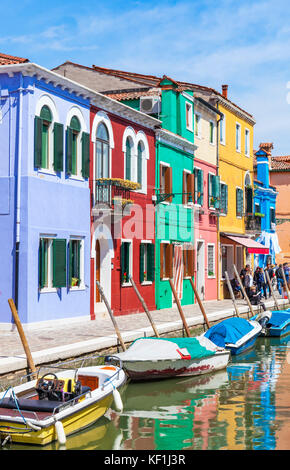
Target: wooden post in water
<point>244,291</point>
<point>111,315</point>
<point>199,302</point>
<point>232,293</point>
<point>22,336</point>
<point>271,289</point>
<point>285,282</point>
<point>144,306</point>
<point>179,308</point>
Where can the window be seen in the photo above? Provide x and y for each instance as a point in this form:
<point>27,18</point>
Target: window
<point>224,198</point>
<point>197,125</point>
<point>126,261</point>
<point>213,191</point>
<point>198,186</point>
<point>147,262</point>
<point>166,181</point>
<point>222,124</point>
<point>188,112</point>
<point>52,263</point>
<point>247,142</point>
<point>210,260</point>
<point>227,260</point>
<point>238,137</point>
<point>188,188</point>
<point>239,202</point>
<point>75,263</point>
<point>48,142</point>
<point>77,150</point>
<point>211,132</point>
<point>102,152</point>
<point>166,261</point>
<point>188,260</point>
<point>128,169</point>
<point>249,199</point>
<point>140,151</point>
<point>272,215</point>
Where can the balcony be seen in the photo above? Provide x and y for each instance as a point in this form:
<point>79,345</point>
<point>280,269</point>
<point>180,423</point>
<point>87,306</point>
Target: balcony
<point>113,194</point>
<point>253,223</point>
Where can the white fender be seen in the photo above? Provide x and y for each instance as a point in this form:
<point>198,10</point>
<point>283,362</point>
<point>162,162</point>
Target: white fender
<point>118,400</point>
<point>61,437</point>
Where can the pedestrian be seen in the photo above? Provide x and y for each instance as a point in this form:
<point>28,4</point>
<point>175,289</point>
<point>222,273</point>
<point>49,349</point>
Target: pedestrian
<point>259,279</point>
<point>243,273</point>
<point>248,280</point>
<point>271,274</point>
<point>255,297</point>
<point>280,279</point>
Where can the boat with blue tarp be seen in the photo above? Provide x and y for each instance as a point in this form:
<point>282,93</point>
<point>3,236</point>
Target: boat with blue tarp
<point>274,323</point>
<point>236,334</point>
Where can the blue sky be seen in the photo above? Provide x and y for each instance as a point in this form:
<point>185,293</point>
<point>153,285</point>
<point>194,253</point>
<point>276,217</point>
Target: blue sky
<point>243,44</point>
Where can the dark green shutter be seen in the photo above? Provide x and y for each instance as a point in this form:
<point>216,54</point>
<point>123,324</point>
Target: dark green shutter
<point>239,202</point>
<point>42,264</point>
<point>37,142</point>
<point>216,191</point>
<point>249,200</point>
<point>210,191</point>
<point>142,251</point>
<point>128,160</point>
<point>150,262</point>
<point>59,262</point>
<point>139,165</point>
<point>200,186</point>
<point>85,155</point>
<point>122,262</point>
<point>58,146</point>
<point>226,199</point>
<point>70,262</point>
<point>69,150</point>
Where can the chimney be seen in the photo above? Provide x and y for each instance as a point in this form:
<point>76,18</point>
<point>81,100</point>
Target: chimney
<point>225,91</point>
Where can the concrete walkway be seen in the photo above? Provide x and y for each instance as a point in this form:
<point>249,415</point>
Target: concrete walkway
<point>67,339</point>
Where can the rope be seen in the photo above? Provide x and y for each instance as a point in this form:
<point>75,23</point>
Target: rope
<point>16,402</point>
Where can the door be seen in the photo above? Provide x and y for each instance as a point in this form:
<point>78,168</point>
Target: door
<point>200,269</point>
<point>98,270</point>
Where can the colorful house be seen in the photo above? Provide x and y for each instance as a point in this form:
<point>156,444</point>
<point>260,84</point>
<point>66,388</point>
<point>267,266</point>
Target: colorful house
<point>264,221</point>
<point>45,196</point>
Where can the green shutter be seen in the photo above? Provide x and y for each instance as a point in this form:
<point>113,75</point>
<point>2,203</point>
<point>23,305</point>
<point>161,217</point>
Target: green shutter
<point>142,251</point>
<point>249,200</point>
<point>59,262</point>
<point>139,165</point>
<point>226,199</point>
<point>69,150</point>
<point>85,155</point>
<point>210,191</point>
<point>70,268</point>
<point>37,142</point>
<point>200,186</point>
<point>42,275</point>
<point>216,191</point>
<point>128,160</point>
<point>150,262</point>
<point>58,146</point>
<point>239,202</point>
<point>122,262</point>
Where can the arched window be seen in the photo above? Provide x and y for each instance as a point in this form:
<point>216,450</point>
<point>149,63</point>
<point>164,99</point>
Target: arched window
<point>46,120</point>
<point>140,150</point>
<point>128,160</point>
<point>102,152</point>
<point>75,128</point>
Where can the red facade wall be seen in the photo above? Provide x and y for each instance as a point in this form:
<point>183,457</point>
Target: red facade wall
<point>139,225</point>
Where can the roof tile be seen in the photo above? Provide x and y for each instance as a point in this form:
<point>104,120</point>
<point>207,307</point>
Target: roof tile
<point>10,59</point>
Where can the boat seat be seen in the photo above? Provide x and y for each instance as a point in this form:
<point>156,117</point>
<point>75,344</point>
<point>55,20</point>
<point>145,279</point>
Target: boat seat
<point>26,404</point>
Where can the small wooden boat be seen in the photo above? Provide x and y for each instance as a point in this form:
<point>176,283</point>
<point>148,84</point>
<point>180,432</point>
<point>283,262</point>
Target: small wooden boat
<point>57,404</point>
<point>274,323</point>
<point>235,334</point>
<point>161,358</point>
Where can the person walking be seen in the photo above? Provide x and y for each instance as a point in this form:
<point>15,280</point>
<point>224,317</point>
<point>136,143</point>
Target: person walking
<point>248,280</point>
<point>260,281</point>
<point>280,279</point>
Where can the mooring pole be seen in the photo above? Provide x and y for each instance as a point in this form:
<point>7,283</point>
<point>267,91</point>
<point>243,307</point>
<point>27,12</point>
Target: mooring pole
<point>111,315</point>
<point>199,302</point>
<point>286,285</point>
<point>22,336</point>
<point>244,291</point>
<point>144,306</point>
<point>179,308</point>
<point>232,293</point>
<point>271,289</point>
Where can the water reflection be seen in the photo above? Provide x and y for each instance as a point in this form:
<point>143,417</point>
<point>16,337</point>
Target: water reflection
<point>246,406</point>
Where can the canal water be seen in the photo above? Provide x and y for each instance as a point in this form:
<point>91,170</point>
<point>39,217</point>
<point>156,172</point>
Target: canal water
<point>245,407</point>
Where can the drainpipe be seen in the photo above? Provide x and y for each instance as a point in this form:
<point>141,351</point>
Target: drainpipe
<point>218,218</point>
<point>18,185</point>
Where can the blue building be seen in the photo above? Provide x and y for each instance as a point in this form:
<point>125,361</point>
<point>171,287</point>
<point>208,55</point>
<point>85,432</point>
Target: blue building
<point>265,207</point>
<point>44,195</point>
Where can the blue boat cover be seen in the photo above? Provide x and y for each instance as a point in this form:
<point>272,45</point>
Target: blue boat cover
<point>278,318</point>
<point>229,331</point>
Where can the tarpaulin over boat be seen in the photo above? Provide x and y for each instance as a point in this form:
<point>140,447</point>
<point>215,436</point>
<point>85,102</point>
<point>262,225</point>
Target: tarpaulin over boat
<point>278,318</point>
<point>228,331</point>
<point>154,349</point>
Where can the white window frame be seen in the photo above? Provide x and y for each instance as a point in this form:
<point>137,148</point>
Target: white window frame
<point>127,240</point>
<point>222,130</point>
<point>49,287</point>
<point>75,111</point>
<point>214,261</point>
<point>197,128</point>
<point>238,143</point>
<point>189,116</point>
<point>82,285</point>
<point>141,137</point>
<point>212,174</point>
<point>195,185</point>
<point>188,205</point>
<point>225,184</point>
<point>168,166</point>
<point>227,245</point>
<point>213,132</point>
<point>247,141</point>
<point>146,242</point>
<point>240,216</point>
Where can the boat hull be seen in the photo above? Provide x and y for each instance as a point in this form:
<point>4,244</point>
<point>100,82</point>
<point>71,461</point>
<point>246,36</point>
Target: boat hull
<point>164,369</point>
<point>281,331</point>
<point>244,347</point>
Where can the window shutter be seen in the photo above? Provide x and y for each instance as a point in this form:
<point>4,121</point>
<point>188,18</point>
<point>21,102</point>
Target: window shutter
<point>42,264</point>
<point>139,165</point>
<point>142,252</point>
<point>200,187</point>
<point>190,187</point>
<point>184,188</point>
<point>169,261</point>
<point>210,192</point>
<point>85,155</point>
<point>161,260</point>
<point>58,146</point>
<point>69,150</point>
<point>190,258</point>
<point>37,141</point>
<point>128,160</point>
<point>239,202</point>
<point>59,262</point>
<point>168,182</point>
<point>151,262</point>
<point>216,191</point>
<point>79,262</point>
<point>70,263</point>
<point>249,200</point>
<point>122,262</point>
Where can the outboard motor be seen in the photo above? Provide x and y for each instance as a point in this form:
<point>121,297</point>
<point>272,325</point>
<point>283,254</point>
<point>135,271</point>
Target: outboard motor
<point>263,318</point>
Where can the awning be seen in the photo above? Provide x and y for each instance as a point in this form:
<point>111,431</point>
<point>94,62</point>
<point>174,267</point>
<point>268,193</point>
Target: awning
<point>251,245</point>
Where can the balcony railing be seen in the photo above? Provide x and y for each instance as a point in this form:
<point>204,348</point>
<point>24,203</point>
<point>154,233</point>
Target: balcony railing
<point>253,223</point>
<point>112,192</point>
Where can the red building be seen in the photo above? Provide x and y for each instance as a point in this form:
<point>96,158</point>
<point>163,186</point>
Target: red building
<point>122,182</point>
